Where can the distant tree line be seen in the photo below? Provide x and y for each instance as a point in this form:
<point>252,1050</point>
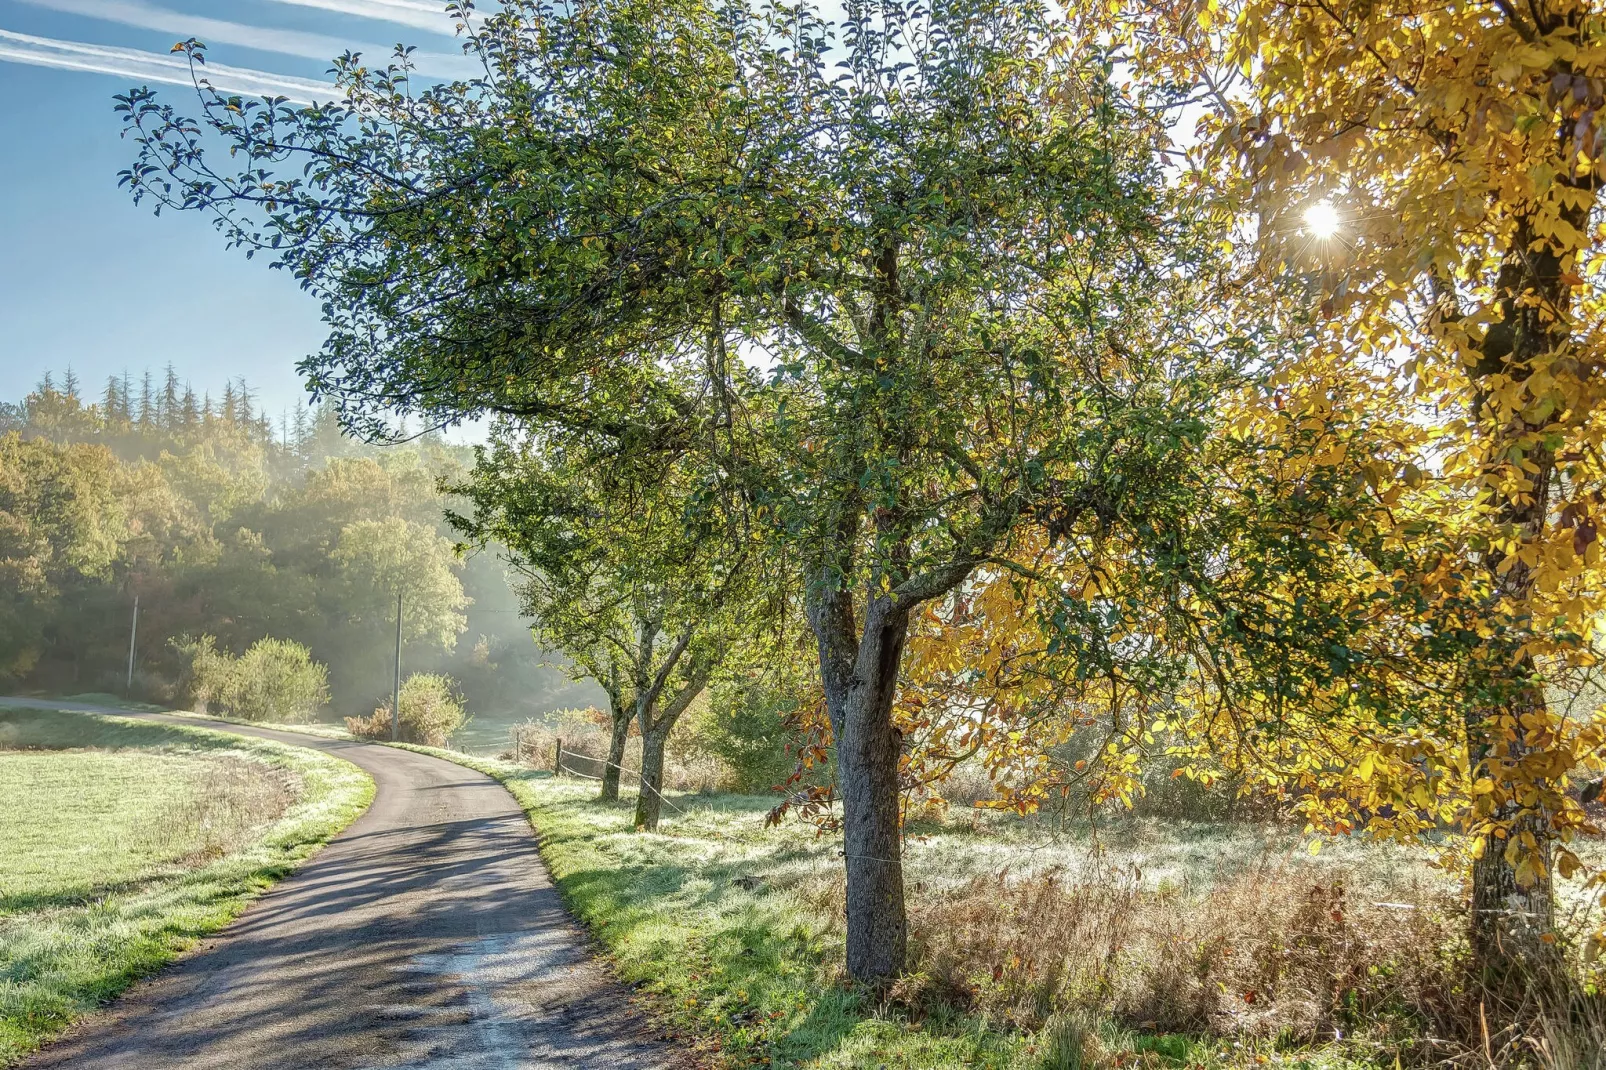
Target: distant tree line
<point>154,414</point>
<point>230,524</point>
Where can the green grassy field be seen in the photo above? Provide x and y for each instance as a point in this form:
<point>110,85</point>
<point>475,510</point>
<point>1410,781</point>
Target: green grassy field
<point>76,824</point>
<point>122,842</point>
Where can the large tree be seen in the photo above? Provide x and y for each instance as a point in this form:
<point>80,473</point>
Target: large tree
<point>937,226</point>
<point>1419,182</point>
<point>377,560</point>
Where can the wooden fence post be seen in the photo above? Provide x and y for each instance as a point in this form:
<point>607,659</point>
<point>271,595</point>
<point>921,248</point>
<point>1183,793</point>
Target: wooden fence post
<point>557,759</point>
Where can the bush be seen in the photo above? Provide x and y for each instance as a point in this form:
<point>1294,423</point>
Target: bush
<point>431,710</point>
<point>205,673</point>
<point>274,680</point>
<point>277,680</point>
<point>749,733</point>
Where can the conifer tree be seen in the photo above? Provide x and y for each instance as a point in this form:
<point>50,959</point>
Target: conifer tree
<point>111,401</point>
<point>244,416</point>
<point>147,402</point>
<point>300,433</point>
<point>168,407</point>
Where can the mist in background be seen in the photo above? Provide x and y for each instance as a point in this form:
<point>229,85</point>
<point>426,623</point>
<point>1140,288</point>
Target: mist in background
<point>228,522</point>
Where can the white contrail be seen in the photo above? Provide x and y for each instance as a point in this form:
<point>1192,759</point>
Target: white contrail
<point>156,67</point>
<point>418,14</point>
<point>217,31</point>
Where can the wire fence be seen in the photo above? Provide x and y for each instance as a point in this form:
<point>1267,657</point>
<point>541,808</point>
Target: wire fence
<point>560,770</point>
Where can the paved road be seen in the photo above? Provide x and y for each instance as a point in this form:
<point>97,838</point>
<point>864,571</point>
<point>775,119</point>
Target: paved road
<point>427,935</point>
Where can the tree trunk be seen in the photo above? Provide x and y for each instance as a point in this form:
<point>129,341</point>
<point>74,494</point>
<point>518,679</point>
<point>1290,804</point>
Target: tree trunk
<point>655,731</point>
<point>1512,925</point>
<point>649,801</point>
<point>867,764</point>
<point>616,752</point>
<point>860,681</point>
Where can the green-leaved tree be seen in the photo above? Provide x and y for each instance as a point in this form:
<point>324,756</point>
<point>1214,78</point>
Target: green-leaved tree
<point>629,570</point>
<point>936,227</point>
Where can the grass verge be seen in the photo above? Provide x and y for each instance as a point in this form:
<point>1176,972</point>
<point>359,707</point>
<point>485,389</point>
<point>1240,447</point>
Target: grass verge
<point>138,850</point>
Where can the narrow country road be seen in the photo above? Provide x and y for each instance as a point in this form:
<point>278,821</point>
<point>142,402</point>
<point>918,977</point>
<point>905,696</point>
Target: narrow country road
<point>427,935</point>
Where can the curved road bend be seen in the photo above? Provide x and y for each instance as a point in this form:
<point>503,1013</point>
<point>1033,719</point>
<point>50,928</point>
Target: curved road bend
<point>427,936</point>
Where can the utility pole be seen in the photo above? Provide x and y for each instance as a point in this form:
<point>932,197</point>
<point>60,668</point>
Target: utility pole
<point>133,632</point>
<point>395,695</point>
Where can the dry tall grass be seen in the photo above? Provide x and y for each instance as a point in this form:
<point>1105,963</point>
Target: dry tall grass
<point>1259,955</point>
<point>233,801</point>
<point>1267,954</point>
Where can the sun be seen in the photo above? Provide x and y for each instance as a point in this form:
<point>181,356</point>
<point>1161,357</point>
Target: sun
<point>1321,219</point>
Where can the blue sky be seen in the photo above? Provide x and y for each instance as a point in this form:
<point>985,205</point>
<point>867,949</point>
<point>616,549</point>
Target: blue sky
<point>87,279</point>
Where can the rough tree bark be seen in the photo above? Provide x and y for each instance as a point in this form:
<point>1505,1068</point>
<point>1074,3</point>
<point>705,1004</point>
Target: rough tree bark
<point>649,803</point>
<point>656,716</point>
<point>1512,923</point>
<point>654,735</point>
<point>859,673</point>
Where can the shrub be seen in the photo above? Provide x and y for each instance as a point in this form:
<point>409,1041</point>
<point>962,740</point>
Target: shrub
<point>748,732</point>
<point>274,680</point>
<point>205,673</point>
<point>431,710</point>
<point>375,726</point>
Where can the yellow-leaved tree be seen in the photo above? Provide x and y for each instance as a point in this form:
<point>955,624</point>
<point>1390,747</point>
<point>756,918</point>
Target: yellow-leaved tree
<point>1412,190</point>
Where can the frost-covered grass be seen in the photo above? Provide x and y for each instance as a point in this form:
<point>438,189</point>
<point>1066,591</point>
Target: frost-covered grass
<point>76,823</point>
<point>319,729</point>
<point>122,842</point>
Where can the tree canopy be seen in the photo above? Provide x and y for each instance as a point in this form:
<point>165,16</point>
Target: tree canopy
<point>941,230</point>
<point>637,574</point>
